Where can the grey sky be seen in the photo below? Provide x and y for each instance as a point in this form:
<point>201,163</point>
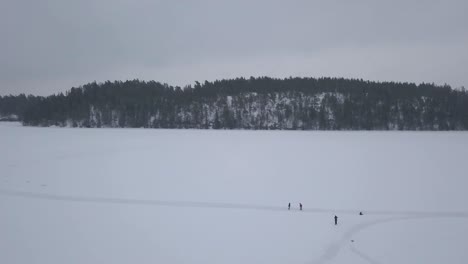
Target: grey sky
<point>49,46</point>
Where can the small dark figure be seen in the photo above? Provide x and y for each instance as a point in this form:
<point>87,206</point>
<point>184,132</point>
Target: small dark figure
<point>300,206</point>
<point>360,213</point>
<point>289,206</point>
<point>336,220</point>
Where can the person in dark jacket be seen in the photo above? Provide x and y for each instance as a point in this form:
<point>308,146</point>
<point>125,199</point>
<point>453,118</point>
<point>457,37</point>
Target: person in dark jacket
<point>336,220</point>
<point>289,206</point>
<point>300,206</point>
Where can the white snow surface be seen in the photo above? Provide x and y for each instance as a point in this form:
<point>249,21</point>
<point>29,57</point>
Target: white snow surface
<point>71,195</point>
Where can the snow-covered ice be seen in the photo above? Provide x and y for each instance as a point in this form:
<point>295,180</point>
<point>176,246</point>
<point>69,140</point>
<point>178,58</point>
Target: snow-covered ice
<point>203,196</point>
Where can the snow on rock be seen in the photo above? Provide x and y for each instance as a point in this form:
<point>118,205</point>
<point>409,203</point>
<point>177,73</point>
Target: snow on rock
<point>11,117</point>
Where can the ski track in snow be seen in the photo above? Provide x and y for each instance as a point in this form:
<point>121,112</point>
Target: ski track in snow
<point>332,250</point>
<point>219,205</point>
<point>335,247</point>
<point>123,201</point>
<point>363,255</point>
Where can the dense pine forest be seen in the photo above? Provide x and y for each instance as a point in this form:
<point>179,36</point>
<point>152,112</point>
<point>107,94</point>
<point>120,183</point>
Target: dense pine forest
<point>12,108</point>
<point>254,103</point>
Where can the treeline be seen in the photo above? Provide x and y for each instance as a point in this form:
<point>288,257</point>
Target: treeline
<point>254,103</point>
<point>12,108</point>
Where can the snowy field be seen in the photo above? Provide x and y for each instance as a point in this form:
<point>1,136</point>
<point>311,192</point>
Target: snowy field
<point>195,196</point>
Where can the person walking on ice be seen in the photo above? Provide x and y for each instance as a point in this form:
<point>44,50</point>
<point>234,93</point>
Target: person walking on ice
<point>336,220</point>
<point>289,206</point>
<point>300,206</point>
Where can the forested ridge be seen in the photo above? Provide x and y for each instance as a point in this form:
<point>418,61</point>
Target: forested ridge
<point>253,103</point>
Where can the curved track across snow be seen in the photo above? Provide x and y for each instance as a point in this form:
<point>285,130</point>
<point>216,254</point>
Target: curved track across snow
<point>330,252</point>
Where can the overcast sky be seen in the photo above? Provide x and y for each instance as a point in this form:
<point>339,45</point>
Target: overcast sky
<point>51,46</point>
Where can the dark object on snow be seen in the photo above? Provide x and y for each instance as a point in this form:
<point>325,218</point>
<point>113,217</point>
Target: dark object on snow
<point>352,241</point>
<point>336,220</point>
<point>360,213</point>
<point>300,206</point>
<point>289,206</point>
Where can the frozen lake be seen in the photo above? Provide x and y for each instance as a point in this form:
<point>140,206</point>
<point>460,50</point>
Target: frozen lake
<point>202,196</point>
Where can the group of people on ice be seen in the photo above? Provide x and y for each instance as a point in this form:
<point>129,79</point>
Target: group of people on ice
<point>336,217</point>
